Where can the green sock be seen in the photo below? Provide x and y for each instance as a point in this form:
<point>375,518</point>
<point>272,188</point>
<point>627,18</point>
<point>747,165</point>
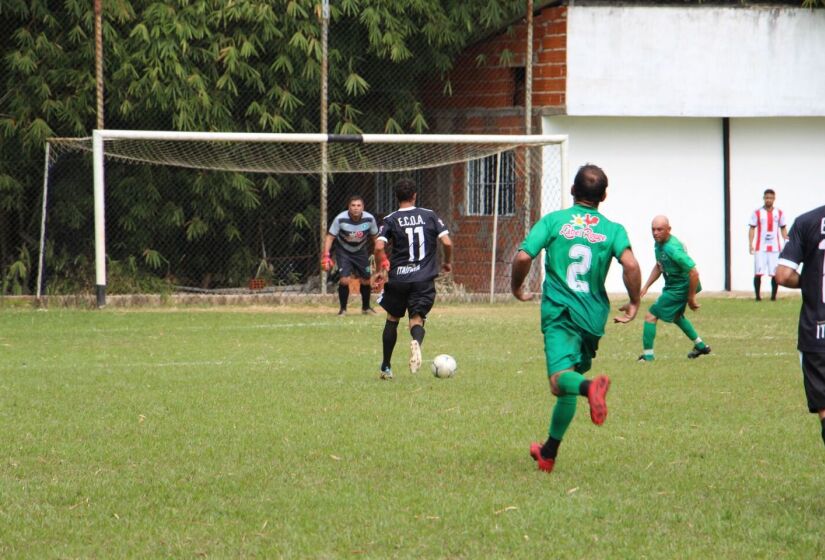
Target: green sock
<point>648,336</point>
<point>687,328</point>
<point>569,382</point>
<point>563,414</point>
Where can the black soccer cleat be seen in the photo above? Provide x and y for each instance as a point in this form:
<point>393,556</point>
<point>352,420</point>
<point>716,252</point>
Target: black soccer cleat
<point>696,352</point>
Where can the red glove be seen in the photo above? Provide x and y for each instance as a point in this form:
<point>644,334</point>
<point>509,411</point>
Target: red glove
<point>326,262</point>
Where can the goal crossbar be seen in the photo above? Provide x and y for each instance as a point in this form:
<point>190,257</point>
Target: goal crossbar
<point>298,153</point>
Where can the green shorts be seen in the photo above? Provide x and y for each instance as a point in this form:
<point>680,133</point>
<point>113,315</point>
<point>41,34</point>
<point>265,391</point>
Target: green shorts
<point>669,306</point>
<point>566,344</point>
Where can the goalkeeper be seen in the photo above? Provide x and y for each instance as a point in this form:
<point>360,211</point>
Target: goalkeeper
<point>351,229</point>
<point>681,286</point>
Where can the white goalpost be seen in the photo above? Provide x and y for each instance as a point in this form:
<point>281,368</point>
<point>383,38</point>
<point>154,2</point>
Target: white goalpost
<point>292,153</point>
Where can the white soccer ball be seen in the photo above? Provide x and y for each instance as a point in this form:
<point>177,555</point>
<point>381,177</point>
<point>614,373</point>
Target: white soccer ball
<point>444,366</point>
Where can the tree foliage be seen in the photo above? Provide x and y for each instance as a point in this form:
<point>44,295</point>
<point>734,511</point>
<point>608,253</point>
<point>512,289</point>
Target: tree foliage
<point>215,65</point>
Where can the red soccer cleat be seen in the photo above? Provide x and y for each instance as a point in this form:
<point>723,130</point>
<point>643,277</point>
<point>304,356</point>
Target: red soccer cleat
<point>595,396</point>
<point>545,465</point>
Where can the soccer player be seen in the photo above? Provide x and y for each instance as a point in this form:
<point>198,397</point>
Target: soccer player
<point>806,246</point>
<point>579,244</point>
<point>766,224</point>
<point>410,271</point>
<point>351,229</point>
<point>681,286</point>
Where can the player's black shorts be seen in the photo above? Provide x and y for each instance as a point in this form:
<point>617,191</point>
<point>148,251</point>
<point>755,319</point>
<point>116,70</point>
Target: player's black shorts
<point>353,264</point>
<point>813,374</point>
<point>415,298</point>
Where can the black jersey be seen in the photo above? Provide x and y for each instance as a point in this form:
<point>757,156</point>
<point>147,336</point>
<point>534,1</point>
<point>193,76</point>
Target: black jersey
<point>806,246</point>
<point>413,233</point>
<point>352,235</point>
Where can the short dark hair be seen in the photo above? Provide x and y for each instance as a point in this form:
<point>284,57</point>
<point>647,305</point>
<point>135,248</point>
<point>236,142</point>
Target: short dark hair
<point>353,198</point>
<point>405,190</point>
<point>590,183</point>
<point>768,191</point>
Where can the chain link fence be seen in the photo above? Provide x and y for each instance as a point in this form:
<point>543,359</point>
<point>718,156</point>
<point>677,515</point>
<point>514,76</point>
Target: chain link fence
<point>172,229</point>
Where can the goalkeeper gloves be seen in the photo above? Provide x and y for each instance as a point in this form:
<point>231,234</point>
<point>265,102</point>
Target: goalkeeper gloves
<point>326,262</point>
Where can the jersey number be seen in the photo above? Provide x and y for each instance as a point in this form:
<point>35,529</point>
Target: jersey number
<point>582,257</point>
<point>822,246</point>
<point>412,235</point>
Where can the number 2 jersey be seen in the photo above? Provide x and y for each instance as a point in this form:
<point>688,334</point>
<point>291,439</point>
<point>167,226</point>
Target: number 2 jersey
<point>806,246</point>
<point>579,245</point>
<point>413,233</point>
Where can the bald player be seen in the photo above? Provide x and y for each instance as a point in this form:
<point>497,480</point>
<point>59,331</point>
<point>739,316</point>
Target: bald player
<point>681,286</point>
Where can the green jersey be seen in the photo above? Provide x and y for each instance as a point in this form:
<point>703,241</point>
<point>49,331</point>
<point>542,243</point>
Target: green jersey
<point>675,264</point>
<point>579,244</point>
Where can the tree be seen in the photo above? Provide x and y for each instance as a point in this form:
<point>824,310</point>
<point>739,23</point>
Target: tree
<point>207,65</point>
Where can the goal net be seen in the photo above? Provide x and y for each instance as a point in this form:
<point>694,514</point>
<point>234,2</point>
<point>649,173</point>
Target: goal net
<point>129,212</point>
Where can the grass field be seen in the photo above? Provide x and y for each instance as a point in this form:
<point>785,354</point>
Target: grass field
<point>267,433</point>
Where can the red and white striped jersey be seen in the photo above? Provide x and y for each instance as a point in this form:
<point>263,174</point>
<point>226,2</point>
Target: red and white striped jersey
<point>768,224</point>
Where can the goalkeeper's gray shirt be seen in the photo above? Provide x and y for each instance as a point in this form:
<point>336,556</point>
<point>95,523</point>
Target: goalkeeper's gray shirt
<point>352,235</point>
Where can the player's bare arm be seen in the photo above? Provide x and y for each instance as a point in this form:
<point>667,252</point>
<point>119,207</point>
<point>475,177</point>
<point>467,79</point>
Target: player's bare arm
<point>632,277</point>
<point>692,285</point>
<point>654,275</point>
<point>751,233</point>
<point>326,260</point>
<point>787,276</point>
<point>447,244</point>
<point>520,269</point>
<point>382,265</point>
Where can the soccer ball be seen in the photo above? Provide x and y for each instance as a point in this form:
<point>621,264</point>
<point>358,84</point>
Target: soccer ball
<point>444,366</point>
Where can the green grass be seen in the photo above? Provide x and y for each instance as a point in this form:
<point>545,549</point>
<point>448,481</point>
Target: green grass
<point>267,433</point>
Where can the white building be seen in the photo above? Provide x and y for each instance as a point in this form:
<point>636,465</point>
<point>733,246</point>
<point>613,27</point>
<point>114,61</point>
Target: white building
<point>693,112</point>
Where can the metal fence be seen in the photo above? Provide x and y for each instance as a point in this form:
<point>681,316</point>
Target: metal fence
<point>172,229</point>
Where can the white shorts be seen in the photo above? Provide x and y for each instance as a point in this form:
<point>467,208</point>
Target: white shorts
<point>764,263</point>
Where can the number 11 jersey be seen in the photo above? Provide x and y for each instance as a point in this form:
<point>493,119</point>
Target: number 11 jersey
<point>413,233</point>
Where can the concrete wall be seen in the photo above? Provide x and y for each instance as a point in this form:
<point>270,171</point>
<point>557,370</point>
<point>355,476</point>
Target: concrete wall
<point>656,166</point>
<point>695,61</point>
<point>787,155</point>
<point>674,166</point>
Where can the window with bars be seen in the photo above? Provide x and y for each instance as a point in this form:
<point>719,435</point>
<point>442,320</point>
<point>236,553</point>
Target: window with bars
<point>481,183</point>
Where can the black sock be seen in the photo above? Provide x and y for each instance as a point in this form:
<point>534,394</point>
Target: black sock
<point>757,286</point>
<point>584,387</point>
<point>343,295</point>
<point>365,296</point>
<point>774,287</point>
<point>550,448</point>
<point>823,430</point>
<point>389,337</point>
<point>417,333</point>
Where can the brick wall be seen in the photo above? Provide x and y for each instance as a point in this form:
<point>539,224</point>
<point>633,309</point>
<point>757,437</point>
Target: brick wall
<point>487,99</point>
<point>492,84</point>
